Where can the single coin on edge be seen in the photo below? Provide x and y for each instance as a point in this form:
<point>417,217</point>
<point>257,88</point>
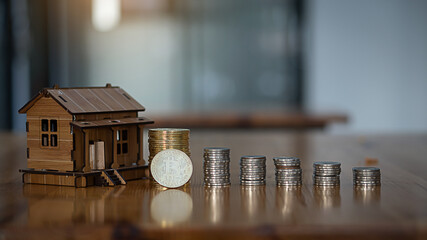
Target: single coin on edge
<point>171,168</point>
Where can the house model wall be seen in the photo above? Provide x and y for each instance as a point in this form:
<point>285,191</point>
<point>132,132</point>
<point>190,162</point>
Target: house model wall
<point>83,131</point>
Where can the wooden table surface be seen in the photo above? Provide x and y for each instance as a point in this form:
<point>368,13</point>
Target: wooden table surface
<point>142,209</point>
<point>267,119</point>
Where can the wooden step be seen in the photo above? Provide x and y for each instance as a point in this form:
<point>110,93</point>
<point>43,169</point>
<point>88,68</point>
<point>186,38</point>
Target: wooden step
<point>112,177</point>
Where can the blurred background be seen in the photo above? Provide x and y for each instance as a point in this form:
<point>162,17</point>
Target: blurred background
<point>341,65</point>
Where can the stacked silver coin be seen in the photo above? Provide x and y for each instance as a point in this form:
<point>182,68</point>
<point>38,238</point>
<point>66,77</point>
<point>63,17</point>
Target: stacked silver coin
<point>252,170</point>
<point>216,166</point>
<point>366,176</point>
<point>326,173</point>
<point>288,171</point>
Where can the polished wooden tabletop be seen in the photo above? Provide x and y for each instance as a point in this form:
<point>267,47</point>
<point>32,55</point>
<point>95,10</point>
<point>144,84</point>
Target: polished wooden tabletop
<point>142,209</point>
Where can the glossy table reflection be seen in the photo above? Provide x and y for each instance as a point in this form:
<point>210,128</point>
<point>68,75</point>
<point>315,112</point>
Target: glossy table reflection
<point>143,209</point>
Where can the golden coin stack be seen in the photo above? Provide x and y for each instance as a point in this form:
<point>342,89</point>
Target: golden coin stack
<point>160,139</point>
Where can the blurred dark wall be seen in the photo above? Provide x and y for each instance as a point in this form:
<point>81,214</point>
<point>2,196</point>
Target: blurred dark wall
<point>6,52</point>
<point>252,46</point>
<point>41,45</point>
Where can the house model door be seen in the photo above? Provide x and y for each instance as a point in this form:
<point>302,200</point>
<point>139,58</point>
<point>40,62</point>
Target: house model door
<point>97,155</point>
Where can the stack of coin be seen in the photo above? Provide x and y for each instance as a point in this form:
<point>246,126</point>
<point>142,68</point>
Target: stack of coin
<point>326,173</point>
<point>252,170</point>
<point>216,166</point>
<point>160,139</point>
<point>288,171</point>
<point>366,176</point>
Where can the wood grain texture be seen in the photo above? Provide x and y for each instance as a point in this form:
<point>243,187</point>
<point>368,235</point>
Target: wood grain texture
<point>143,209</point>
<point>57,158</point>
<point>95,100</point>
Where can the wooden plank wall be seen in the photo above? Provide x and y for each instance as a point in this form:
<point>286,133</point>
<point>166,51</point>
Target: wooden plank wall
<point>55,158</point>
<point>60,158</point>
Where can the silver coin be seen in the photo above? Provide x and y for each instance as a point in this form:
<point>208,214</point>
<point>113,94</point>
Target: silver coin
<point>326,163</point>
<point>333,171</point>
<point>215,165</point>
<point>250,165</point>
<point>217,178</point>
<point>290,171</point>
<point>217,174</point>
<point>216,156</point>
<point>216,162</point>
<point>252,178</point>
<point>217,184</point>
<point>366,169</point>
<point>252,183</point>
<point>367,181</point>
<point>367,177</point>
<point>253,157</point>
<point>225,176</point>
<point>327,174</point>
<point>214,149</point>
<point>288,165</point>
<point>253,169</point>
<point>326,177</point>
<point>288,160</point>
<point>288,177</point>
<point>171,168</point>
<point>289,183</point>
<point>225,181</point>
<point>326,184</point>
<point>215,170</point>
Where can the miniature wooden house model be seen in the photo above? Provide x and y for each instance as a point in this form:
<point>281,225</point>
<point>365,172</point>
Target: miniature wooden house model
<point>84,136</point>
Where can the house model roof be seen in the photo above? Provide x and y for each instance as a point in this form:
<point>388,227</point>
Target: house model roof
<point>89,100</point>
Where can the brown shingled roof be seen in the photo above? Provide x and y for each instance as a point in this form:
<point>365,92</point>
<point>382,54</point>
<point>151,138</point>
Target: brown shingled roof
<point>89,100</point>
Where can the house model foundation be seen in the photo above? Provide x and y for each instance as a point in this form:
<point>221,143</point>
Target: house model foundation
<point>84,137</point>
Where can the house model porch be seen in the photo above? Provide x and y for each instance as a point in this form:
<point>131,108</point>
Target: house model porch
<point>84,136</point>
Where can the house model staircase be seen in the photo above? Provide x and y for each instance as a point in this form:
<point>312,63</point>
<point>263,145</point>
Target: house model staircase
<point>110,177</point>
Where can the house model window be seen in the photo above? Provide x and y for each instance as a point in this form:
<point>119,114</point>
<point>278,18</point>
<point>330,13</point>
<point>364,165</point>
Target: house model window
<point>49,133</point>
<point>122,141</point>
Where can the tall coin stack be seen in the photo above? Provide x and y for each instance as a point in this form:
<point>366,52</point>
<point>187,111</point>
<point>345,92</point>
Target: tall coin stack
<point>252,170</point>
<point>366,176</point>
<point>160,139</point>
<point>288,171</point>
<point>326,173</point>
<point>216,166</point>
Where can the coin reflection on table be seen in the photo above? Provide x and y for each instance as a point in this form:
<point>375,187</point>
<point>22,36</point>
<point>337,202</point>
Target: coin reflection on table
<point>171,207</point>
<point>217,203</point>
<point>288,198</point>
<point>327,196</point>
<point>367,195</point>
<point>253,200</point>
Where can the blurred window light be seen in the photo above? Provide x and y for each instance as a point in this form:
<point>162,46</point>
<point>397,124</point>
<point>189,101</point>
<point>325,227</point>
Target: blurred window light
<point>105,14</point>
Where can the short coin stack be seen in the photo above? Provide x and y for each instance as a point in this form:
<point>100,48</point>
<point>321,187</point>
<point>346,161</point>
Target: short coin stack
<point>252,170</point>
<point>366,176</point>
<point>326,173</point>
<point>160,139</point>
<point>216,166</point>
<point>288,171</point>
